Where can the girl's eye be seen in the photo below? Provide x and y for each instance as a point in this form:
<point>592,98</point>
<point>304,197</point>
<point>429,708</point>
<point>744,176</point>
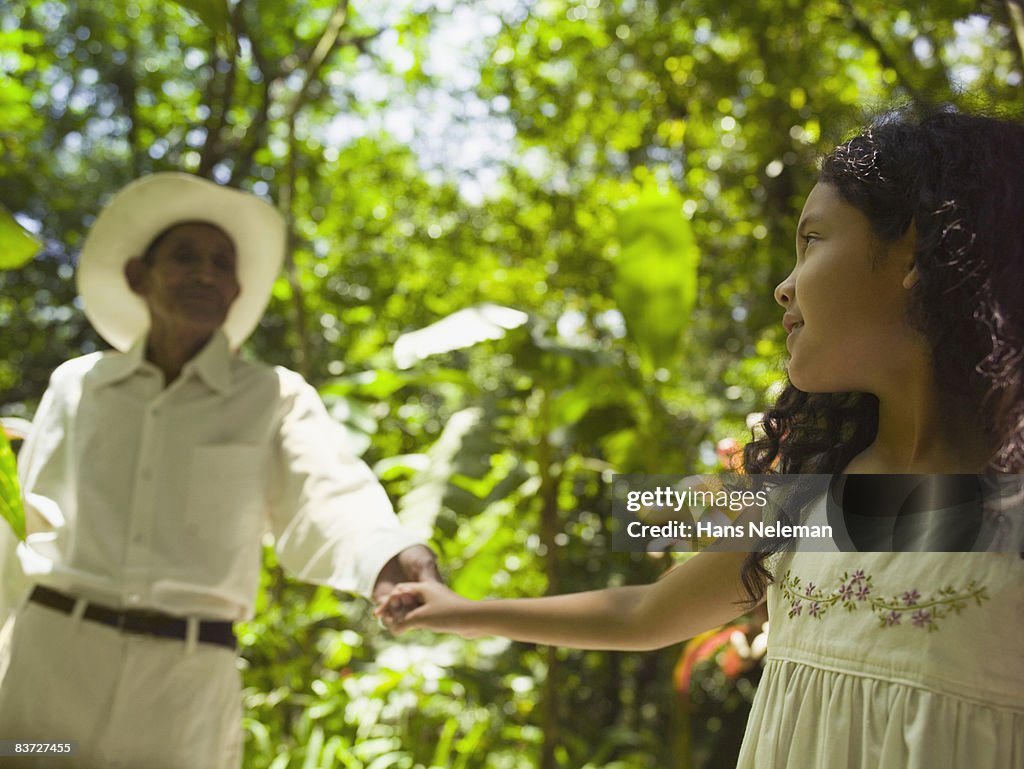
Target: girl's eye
<point>808,238</point>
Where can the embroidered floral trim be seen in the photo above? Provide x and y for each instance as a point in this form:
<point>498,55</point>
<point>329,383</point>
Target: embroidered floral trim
<point>855,591</point>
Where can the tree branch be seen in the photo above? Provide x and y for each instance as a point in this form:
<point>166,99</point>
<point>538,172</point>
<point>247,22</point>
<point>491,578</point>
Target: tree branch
<point>127,86</point>
<point>255,137</point>
<point>1015,9</point>
<point>321,51</point>
<point>324,47</point>
<point>359,42</point>
<point>123,78</point>
<point>220,100</point>
<point>259,126</point>
<point>863,30</point>
<point>549,528</point>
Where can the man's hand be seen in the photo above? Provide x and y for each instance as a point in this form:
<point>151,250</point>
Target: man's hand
<point>414,564</point>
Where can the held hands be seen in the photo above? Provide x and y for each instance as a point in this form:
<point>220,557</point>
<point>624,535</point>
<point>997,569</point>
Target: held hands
<point>436,608</point>
<point>409,594</point>
<point>414,564</point>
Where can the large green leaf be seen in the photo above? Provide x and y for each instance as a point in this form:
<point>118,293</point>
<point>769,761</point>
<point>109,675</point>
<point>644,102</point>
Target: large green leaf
<point>656,285</point>
<point>10,494</point>
<point>16,245</point>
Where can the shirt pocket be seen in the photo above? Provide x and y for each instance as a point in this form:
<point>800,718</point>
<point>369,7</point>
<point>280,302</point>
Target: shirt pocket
<point>227,493</point>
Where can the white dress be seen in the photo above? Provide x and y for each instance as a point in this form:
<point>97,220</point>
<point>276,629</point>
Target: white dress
<point>891,661</point>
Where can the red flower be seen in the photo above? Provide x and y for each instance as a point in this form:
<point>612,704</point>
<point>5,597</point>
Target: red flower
<point>703,647</point>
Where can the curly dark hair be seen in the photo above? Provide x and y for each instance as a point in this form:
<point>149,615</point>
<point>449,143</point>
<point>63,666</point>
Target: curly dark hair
<point>958,179</point>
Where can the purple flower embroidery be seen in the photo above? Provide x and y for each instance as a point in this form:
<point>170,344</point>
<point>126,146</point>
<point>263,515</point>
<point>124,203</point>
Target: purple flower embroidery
<point>890,611</point>
<point>922,618</point>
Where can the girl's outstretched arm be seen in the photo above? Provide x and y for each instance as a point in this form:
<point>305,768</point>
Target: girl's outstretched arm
<point>703,593</point>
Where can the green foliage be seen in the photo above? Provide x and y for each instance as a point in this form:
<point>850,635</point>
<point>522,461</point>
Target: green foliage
<point>11,509</point>
<point>213,13</point>
<point>656,279</point>
<point>647,164</point>
<point>16,246</point>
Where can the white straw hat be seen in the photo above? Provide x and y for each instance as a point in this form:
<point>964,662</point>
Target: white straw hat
<point>144,209</point>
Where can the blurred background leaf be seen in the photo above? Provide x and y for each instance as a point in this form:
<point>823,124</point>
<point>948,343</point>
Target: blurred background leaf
<point>16,245</point>
<point>11,509</point>
<point>656,275</point>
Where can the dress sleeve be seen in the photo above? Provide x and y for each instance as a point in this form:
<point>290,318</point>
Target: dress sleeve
<point>333,521</point>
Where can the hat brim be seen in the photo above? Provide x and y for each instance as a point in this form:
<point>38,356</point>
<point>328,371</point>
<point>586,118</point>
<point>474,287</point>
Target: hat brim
<point>144,209</point>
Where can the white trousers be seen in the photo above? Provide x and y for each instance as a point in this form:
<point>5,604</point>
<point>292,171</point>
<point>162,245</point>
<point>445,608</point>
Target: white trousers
<point>127,700</point>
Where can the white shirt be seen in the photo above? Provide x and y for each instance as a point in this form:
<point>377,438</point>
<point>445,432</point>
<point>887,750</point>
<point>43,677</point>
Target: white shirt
<point>143,496</point>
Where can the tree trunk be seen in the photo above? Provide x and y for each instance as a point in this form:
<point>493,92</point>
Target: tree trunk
<point>325,45</point>
<point>548,531</point>
<point>1015,9</point>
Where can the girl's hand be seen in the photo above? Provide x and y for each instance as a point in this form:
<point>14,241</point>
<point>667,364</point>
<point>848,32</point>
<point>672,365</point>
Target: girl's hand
<point>436,608</point>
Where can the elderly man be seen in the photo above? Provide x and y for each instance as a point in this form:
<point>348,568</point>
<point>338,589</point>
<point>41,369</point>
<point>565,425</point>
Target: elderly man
<point>150,478</point>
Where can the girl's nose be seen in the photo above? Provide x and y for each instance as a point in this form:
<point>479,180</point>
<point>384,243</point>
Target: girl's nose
<point>784,291</point>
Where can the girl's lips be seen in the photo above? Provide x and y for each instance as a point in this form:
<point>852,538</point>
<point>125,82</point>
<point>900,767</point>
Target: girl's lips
<point>792,333</point>
<point>790,322</point>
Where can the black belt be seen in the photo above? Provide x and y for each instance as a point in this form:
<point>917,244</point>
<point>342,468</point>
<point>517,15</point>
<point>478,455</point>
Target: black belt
<point>138,621</point>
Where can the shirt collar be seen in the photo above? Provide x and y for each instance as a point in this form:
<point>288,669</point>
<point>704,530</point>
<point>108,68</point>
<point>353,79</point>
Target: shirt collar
<point>117,367</point>
<point>212,364</point>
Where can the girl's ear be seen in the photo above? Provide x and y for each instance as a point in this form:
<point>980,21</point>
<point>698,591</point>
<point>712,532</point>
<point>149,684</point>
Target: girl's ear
<point>911,278</point>
<point>906,249</point>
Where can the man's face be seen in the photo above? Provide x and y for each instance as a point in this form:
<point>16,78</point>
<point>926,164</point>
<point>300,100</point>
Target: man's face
<point>188,278</point>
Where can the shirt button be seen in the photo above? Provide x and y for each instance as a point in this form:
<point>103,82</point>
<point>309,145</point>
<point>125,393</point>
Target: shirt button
<point>137,539</point>
<point>192,528</point>
<point>134,598</point>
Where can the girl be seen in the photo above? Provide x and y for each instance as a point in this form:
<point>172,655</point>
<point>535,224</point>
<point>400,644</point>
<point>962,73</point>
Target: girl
<point>905,322</point>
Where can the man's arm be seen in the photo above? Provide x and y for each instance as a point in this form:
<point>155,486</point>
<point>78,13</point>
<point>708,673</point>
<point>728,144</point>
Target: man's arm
<point>333,520</point>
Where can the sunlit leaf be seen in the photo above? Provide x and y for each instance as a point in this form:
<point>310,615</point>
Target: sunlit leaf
<point>11,509</point>
<point>463,328</point>
<point>17,246</point>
